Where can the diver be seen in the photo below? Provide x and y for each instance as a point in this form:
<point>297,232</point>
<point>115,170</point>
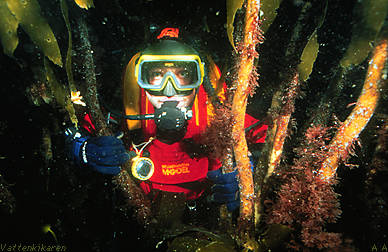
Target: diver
<point>170,93</point>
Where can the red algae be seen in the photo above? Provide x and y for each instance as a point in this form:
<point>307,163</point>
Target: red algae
<point>305,202</point>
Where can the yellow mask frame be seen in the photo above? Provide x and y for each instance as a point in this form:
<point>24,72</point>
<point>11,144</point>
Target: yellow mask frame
<point>169,76</point>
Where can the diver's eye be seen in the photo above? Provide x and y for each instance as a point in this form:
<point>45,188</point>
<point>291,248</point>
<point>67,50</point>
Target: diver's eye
<point>155,77</point>
<point>184,74</point>
<point>155,74</point>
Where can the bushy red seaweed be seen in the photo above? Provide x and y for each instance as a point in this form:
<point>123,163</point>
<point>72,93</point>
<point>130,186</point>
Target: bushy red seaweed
<point>305,202</point>
<point>219,142</point>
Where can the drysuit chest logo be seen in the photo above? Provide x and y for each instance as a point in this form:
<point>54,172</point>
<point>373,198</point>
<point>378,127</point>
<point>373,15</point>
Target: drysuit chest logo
<point>175,169</point>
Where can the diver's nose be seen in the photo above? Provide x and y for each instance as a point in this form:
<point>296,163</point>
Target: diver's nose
<point>169,90</point>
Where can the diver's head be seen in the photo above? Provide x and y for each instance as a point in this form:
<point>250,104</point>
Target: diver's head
<point>169,70</point>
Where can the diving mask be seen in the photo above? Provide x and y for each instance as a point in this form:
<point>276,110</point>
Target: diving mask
<point>156,72</point>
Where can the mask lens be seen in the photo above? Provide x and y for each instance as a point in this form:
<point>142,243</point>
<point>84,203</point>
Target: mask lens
<point>152,73</point>
<point>184,74</point>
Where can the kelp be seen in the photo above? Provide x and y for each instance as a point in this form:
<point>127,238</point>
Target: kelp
<point>134,196</point>
<point>313,172</point>
<point>310,52</point>
<point>243,86</point>
<point>68,64</point>
<point>281,111</point>
<point>284,105</point>
<point>27,12</point>
<point>8,29</point>
<point>308,57</point>
<point>370,18</point>
<point>60,93</point>
<point>268,10</point>
<point>342,144</point>
<point>231,8</point>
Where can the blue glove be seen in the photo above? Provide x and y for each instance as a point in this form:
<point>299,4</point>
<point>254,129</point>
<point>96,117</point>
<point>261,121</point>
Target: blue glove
<point>225,189</point>
<point>105,154</point>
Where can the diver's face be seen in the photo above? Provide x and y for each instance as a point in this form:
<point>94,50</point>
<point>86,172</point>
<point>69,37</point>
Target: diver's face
<point>184,98</point>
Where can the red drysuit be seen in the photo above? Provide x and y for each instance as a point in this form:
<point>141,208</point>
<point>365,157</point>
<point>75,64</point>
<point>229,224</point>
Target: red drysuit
<point>175,170</point>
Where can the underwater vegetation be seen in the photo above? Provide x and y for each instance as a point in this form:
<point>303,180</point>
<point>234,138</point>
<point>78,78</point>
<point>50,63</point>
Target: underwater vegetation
<point>27,14</point>
<point>314,71</point>
<point>243,86</point>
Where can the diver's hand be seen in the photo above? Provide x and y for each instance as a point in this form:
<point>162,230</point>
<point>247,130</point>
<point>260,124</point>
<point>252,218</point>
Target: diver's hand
<point>225,189</point>
<point>104,154</point>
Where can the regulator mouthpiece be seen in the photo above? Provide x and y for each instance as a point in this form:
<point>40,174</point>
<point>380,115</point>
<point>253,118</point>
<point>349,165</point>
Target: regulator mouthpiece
<point>169,117</point>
